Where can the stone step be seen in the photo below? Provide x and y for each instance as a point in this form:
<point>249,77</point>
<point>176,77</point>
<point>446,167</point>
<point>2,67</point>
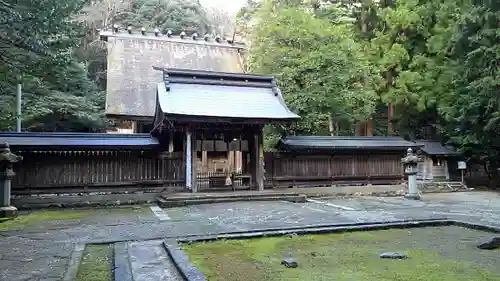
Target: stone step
<point>253,194</point>
<point>170,203</point>
<point>144,261</point>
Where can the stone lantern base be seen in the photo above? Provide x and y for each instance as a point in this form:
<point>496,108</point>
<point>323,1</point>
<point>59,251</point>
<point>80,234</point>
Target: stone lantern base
<point>8,212</point>
<point>412,196</point>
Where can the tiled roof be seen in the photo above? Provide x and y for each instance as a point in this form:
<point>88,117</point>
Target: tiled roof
<point>131,79</point>
<point>344,143</point>
<point>53,140</point>
<point>215,94</point>
<point>434,148</point>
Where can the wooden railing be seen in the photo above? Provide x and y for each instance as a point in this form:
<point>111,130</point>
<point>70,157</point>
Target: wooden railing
<point>95,171</point>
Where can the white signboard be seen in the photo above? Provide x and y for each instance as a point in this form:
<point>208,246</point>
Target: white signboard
<point>462,165</point>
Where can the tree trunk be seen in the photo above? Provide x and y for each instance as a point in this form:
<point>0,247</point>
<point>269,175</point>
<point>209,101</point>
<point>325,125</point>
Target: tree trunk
<point>331,127</point>
<point>369,127</point>
<point>390,106</point>
<point>390,114</point>
<point>359,128</point>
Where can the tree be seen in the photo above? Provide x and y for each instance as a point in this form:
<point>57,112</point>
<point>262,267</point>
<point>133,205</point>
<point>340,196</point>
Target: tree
<point>37,42</point>
<point>305,52</point>
<point>473,107</point>
<point>174,15</point>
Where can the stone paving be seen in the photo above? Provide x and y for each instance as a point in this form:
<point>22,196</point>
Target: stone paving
<point>41,251</point>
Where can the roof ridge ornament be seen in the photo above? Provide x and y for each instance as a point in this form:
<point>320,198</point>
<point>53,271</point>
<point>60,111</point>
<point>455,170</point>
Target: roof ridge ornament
<point>117,30</point>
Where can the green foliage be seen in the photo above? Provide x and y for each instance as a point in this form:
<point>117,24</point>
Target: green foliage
<point>473,108</point>
<point>37,46</point>
<point>304,52</point>
<point>175,15</point>
<point>435,61</point>
<point>54,46</point>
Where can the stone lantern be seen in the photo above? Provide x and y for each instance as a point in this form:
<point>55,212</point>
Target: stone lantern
<point>410,164</point>
<point>7,160</point>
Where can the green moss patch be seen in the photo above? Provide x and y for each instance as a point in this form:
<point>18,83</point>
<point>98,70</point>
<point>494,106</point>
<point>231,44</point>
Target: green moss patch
<point>351,256</point>
<point>41,216</point>
<point>95,264</point>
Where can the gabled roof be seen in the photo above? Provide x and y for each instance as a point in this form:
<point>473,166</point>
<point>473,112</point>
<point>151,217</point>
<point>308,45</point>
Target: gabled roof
<point>57,141</point>
<point>222,95</point>
<point>434,148</point>
<point>344,143</point>
<point>131,80</point>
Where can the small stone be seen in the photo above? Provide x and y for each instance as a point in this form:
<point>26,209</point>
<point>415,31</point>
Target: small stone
<point>289,262</point>
<point>393,256</point>
<point>492,244</point>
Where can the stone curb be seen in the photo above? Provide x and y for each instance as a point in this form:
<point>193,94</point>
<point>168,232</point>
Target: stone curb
<point>121,264</point>
<point>294,229</point>
<point>319,229</point>
<point>74,263</point>
<point>190,273</point>
<point>181,262</point>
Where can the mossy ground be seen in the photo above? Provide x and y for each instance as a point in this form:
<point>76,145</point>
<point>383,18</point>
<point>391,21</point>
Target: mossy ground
<point>347,256</point>
<point>95,264</point>
<point>41,216</point>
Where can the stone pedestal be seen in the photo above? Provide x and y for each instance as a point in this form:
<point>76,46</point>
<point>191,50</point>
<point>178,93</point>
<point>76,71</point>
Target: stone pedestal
<point>410,163</point>
<point>7,159</point>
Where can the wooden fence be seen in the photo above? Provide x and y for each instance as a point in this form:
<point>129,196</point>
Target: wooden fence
<point>96,171</point>
<point>290,169</point>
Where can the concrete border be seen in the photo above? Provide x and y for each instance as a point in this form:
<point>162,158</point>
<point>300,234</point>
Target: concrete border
<point>190,273</point>
<point>84,200</point>
<point>74,262</point>
<point>122,270</point>
<point>187,270</point>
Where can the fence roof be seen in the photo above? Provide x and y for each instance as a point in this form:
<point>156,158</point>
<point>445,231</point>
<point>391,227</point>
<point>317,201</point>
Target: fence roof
<point>58,141</point>
<point>345,143</point>
<point>225,95</point>
<point>434,148</point>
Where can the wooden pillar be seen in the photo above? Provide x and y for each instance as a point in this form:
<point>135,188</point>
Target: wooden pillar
<point>230,161</point>
<point>204,161</point>
<point>190,150</point>
<point>171,142</point>
<point>252,160</point>
<point>194,158</point>
<point>134,127</point>
<point>258,150</point>
<point>446,171</point>
<point>238,161</point>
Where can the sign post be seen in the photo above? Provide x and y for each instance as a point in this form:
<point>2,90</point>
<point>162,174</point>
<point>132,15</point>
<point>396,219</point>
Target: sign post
<point>462,166</point>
